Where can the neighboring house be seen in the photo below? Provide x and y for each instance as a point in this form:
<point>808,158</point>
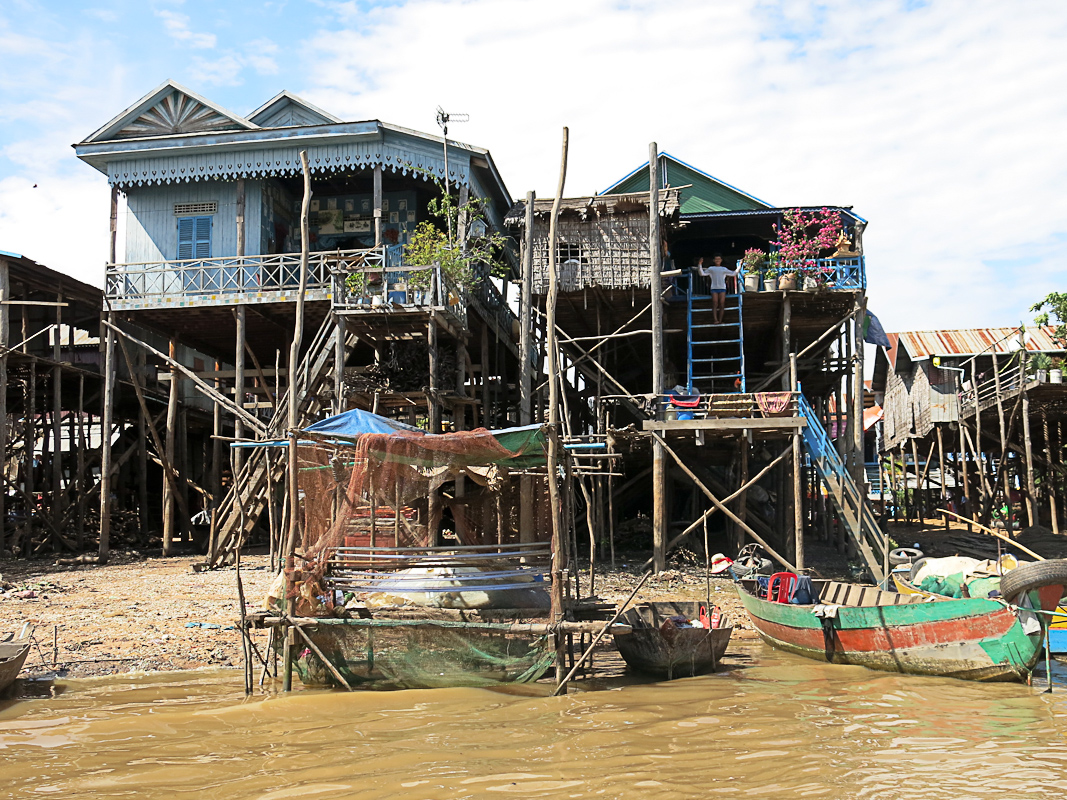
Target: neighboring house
<point>734,362</point>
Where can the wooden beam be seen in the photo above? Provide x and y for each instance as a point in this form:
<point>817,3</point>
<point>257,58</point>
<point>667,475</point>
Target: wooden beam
<point>787,424</point>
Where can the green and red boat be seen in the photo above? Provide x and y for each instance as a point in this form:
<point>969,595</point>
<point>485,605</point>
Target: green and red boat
<point>972,638</point>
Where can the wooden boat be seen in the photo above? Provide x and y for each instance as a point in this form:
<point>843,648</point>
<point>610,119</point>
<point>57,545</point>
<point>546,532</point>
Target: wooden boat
<point>977,639</point>
<point>657,646</point>
<point>1057,634</point>
<point>13,656</point>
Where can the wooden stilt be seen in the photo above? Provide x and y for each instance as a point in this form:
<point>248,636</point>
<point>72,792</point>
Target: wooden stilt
<point>1051,478</point>
<point>1031,485</point>
<point>108,403</point>
<point>170,447</point>
<point>552,352</point>
<point>239,383</point>
<point>798,498</point>
<point>660,519</point>
<point>5,343</point>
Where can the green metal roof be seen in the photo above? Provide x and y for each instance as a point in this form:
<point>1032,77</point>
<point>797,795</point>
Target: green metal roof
<point>704,192</point>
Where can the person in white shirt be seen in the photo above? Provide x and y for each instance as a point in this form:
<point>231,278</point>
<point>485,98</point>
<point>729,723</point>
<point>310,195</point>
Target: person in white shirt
<point>718,275</point>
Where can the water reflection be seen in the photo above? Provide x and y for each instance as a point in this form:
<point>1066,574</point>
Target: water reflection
<point>772,725</point>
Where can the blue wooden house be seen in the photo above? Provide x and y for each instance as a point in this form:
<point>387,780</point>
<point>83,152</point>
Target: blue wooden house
<point>210,202</point>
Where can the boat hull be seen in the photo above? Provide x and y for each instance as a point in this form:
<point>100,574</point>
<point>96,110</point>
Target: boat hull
<point>972,638</point>
<point>12,657</point>
<point>675,653</point>
<point>1057,635</point>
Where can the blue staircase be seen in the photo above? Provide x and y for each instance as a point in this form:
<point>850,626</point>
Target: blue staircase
<point>716,353</point>
<point>854,512</point>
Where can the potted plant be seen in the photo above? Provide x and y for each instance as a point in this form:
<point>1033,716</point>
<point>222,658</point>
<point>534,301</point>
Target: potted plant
<point>802,237</point>
<point>1039,365</point>
<point>771,273</point>
<point>752,265</point>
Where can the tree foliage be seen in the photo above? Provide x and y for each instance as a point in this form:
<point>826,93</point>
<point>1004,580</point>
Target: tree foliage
<point>1053,311</point>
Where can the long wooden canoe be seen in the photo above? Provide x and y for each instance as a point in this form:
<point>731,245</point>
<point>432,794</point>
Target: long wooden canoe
<point>669,651</point>
<point>862,625</point>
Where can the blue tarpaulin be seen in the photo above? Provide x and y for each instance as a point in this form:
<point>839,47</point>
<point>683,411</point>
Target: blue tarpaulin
<point>355,423</point>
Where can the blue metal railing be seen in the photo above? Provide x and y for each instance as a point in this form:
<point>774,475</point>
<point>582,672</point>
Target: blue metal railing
<point>816,439</point>
<point>829,273</point>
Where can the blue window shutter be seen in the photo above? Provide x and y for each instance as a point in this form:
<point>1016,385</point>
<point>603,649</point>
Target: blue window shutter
<point>203,237</point>
<point>186,230</point>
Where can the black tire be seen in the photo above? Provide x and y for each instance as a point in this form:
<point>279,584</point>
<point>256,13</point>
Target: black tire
<point>904,555</point>
<point>1033,576</point>
<point>915,567</point>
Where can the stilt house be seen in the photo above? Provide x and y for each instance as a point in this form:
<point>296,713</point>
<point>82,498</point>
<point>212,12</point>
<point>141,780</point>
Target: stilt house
<point>210,205</point>
<point>736,403</point>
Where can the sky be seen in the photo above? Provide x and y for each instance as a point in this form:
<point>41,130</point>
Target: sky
<point>942,123</point>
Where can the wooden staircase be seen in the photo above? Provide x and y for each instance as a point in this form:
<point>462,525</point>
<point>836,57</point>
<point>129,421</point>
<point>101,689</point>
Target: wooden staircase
<point>850,501</point>
<point>244,503</point>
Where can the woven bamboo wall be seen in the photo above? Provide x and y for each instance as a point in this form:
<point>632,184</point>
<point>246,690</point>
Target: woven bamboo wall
<point>609,251</point>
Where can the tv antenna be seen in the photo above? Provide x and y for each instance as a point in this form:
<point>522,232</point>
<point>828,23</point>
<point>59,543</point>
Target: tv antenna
<point>443,118</point>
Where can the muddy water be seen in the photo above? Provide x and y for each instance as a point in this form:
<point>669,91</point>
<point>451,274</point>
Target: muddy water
<point>773,726</point>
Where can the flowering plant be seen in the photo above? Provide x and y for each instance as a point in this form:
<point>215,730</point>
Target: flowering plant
<point>805,235</point>
<point>753,260</point>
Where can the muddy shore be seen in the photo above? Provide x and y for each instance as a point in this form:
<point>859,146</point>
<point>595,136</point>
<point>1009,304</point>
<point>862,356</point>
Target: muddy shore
<point>157,614</point>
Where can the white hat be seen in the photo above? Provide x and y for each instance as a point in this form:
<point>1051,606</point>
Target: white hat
<point>720,563</point>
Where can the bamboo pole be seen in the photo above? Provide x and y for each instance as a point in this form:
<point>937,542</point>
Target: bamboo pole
<point>553,416</point>
<point>107,412</point>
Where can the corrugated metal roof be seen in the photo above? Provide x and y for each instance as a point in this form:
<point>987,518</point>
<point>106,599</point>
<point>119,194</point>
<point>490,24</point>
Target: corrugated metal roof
<point>972,341</point>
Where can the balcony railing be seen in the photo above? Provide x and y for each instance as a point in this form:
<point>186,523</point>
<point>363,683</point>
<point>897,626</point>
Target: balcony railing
<point>826,273</point>
<point>232,279</point>
<point>372,289</point>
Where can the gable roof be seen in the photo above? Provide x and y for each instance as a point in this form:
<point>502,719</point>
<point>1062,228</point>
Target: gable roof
<point>702,192</point>
<point>974,341</point>
<point>167,110</point>
<point>286,110</point>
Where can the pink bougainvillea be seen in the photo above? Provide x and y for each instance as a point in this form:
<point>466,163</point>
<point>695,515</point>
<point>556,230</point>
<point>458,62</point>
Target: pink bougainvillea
<point>805,235</point>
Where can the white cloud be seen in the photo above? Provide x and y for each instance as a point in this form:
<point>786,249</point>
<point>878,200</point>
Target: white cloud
<point>939,123</point>
<point>177,27</point>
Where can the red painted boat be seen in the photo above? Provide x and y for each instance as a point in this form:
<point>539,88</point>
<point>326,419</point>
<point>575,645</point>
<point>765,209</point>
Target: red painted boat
<point>977,639</point>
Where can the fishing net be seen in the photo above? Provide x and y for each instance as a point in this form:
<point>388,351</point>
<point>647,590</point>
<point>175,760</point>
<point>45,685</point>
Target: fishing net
<point>383,491</point>
<point>409,654</point>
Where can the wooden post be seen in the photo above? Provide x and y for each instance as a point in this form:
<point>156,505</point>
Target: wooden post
<point>1031,486</point>
<point>170,447</point>
<point>1050,474</point>
<point>525,315</point>
<point>555,506</point>
<point>377,205</point>
<point>239,384</point>
<point>81,485</point>
<point>485,376</point>
<point>5,342</point>
<point>798,497</point>
<point>1002,464</point>
<point>142,456</point>
<point>340,337</point>
<point>659,456</point>
<point>941,466</point>
<point>58,507</point>
<point>962,467</point>
<point>105,436</point>
<point>294,360</point>
<point>433,403</point>
<point>859,472</point>
<point>786,334</point>
<point>240,220</point>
